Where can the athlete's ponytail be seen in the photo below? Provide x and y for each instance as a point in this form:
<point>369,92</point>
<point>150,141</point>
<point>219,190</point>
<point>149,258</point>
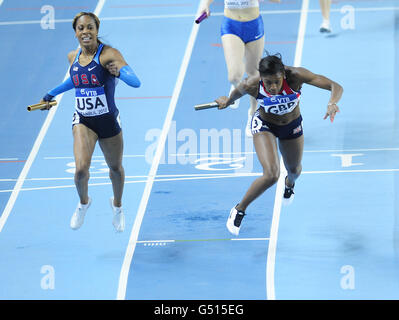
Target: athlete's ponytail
<point>271,65</point>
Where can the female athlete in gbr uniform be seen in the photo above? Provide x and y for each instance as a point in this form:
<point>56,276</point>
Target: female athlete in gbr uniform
<point>277,90</point>
<point>93,72</point>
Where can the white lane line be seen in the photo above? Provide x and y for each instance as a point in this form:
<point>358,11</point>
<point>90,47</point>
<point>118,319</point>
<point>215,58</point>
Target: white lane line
<point>94,157</point>
<point>172,16</point>
<point>271,254</point>
<point>35,149</point>
<point>225,153</point>
<point>127,177</point>
<point>99,7</point>
<point>353,150</point>
<point>154,167</point>
<point>196,177</point>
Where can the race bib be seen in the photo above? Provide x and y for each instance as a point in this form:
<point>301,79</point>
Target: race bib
<point>91,102</point>
<point>280,104</point>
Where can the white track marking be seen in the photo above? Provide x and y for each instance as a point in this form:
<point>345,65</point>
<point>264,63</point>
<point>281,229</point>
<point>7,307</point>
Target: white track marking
<point>162,178</point>
<point>271,254</point>
<point>94,157</point>
<point>191,16</point>
<point>154,167</point>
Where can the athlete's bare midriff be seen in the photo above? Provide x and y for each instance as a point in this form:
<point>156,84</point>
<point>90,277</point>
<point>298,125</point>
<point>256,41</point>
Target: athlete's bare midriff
<point>280,120</point>
<point>243,15</point>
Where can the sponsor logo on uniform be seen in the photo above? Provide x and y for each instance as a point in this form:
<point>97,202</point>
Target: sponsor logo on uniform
<point>75,68</point>
<point>298,129</point>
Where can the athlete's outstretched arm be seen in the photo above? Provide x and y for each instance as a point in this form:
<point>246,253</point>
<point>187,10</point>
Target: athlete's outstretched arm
<point>65,86</point>
<point>320,81</point>
<point>113,60</point>
<point>247,86</point>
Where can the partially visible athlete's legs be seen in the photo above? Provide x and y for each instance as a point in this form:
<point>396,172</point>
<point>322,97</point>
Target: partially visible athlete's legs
<point>325,6</point>
<point>113,152</point>
<point>83,147</point>
<point>234,51</point>
<point>266,150</point>
<point>292,152</point>
<point>253,54</point>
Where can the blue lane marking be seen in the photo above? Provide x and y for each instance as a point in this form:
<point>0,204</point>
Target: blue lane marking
<point>198,209</point>
<point>336,241</point>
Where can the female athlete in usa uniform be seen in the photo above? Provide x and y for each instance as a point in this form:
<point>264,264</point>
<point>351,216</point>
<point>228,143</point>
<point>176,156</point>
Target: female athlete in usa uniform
<point>243,40</point>
<point>93,72</point>
<point>278,91</point>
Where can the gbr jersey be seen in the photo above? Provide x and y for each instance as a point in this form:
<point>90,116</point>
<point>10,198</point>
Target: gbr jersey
<point>283,102</point>
<point>94,87</point>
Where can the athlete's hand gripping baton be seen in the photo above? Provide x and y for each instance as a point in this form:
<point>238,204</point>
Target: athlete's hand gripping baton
<point>201,17</point>
<point>41,105</point>
<point>206,106</point>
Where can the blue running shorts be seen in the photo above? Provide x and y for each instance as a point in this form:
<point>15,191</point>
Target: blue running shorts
<point>248,31</point>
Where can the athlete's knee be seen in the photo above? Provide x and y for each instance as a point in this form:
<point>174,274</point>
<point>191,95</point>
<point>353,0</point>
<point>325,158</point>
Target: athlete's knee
<point>252,72</point>
<point>271,174</point>
<point>82,171</point>
<point>295,170</point>
<point>234,77</point>
<point>116,168</point>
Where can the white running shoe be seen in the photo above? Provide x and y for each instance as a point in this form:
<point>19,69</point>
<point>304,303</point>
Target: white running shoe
<point>325,26</point>
<point>233,223</point>
<point>119,218</point>
<point>79,215</point>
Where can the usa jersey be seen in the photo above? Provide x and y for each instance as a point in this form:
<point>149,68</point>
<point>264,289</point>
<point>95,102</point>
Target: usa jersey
<point>283,102</point>
<point>94,87</point>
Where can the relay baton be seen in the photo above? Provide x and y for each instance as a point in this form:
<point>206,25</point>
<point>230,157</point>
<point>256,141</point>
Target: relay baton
<point>206,106</point>
<point>41,105</point>
<point>201,17</point>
